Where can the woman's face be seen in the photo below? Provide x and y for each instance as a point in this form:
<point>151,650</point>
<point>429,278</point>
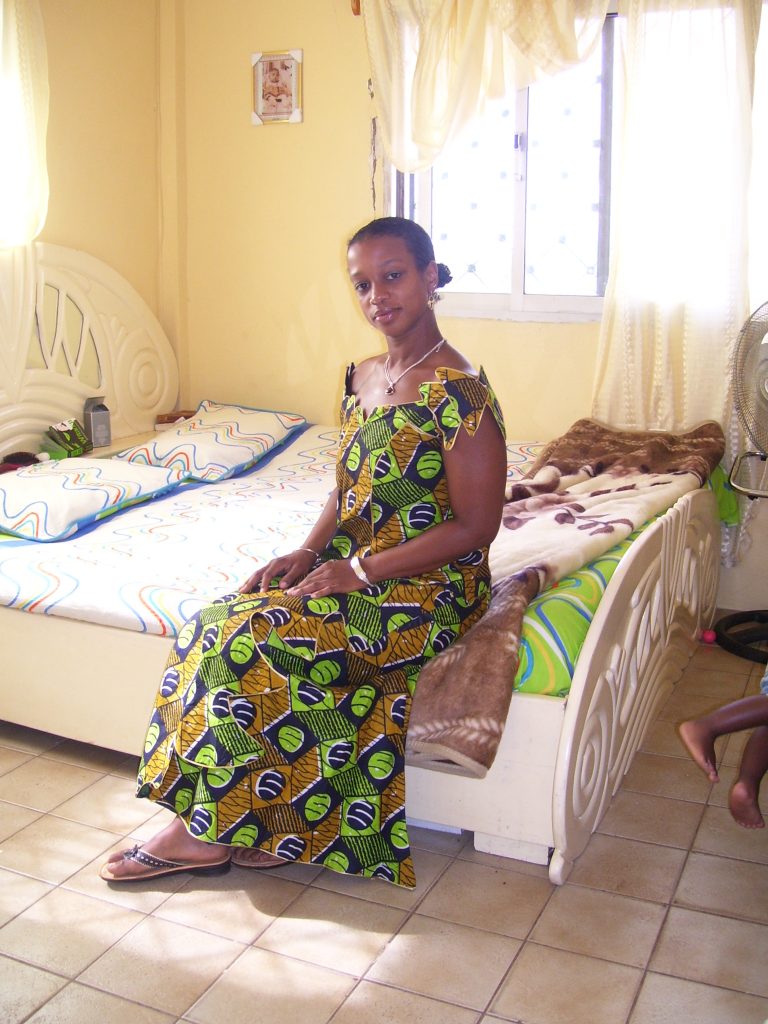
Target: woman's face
<point>393,292</point>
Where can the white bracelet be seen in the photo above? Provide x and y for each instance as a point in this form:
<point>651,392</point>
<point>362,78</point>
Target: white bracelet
<point>359,571</point>
<point>310,550</point>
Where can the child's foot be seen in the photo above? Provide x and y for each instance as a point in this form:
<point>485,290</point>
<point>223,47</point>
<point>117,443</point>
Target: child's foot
<point>744,807</point>
<point>700,744</point>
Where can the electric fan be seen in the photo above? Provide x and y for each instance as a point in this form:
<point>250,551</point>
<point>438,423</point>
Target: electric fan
<point>746,633</point>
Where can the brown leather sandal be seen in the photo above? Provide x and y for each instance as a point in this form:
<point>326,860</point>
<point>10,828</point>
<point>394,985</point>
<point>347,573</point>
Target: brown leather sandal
<point>158,866</point>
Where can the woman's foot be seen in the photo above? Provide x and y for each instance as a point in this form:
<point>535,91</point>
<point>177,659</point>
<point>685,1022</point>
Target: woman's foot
<point>252,857</point>
<point>744,807</point>
<point>699,741</point>
<point>172,850</point>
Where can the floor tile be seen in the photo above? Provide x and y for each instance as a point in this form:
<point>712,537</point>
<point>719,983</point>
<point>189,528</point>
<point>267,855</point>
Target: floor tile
<point>239,905</point>
<point>682,705</point>
<point>600,924</point>
<point>487,898</point>
<point>719,834</point>
<point>721,885</point>
<point>109,803</point>
<point>665,1000</point>
<point>23,989</point>
<point>713,950</point>
<point>722,685</point>
<point>445,961</point>
<point>162,965</point>
<point>463,944</point>
<point>14,818</point>
<point>17,892</point>
<point>64,931</point>
<point>546,985</point>
<point>78,1004</point>
<point>652,819</point>
<point>629,868</point>
<point>429,867</point>
<point>53,849</point>
<point>714,658</point>
<point>667,776</point>
<point>272,989</point>
<point>331,930</point>
<point>374,1004</point>
<point>42,784</point>
<point>10,758</point>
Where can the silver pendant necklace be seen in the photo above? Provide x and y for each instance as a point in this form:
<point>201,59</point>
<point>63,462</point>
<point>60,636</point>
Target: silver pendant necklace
<point>392,384</point>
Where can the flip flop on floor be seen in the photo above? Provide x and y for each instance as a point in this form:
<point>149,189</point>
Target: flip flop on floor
<point>243,858</point>
<point>158,866</point>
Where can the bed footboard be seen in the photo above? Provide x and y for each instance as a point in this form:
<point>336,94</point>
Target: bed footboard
<point>646,627</point>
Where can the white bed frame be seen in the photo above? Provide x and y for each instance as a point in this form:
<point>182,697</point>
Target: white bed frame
<point>560,760</point>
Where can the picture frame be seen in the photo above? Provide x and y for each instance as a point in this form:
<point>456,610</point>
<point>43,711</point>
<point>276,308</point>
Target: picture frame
<point>277,87</point>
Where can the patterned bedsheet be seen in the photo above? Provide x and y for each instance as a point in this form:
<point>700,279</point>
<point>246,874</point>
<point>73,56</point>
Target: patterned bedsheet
<point>150,567</point>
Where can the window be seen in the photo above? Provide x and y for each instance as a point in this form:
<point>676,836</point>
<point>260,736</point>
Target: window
<point>519,206</point>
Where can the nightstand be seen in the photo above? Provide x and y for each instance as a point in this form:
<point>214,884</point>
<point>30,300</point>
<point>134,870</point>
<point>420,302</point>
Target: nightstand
<point>119,444</point>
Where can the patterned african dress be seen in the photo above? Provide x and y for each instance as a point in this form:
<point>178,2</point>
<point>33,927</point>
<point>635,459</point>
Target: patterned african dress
<point>280,721</point>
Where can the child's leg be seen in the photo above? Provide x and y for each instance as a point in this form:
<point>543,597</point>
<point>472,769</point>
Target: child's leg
<point>699,734</point>
<point>743,801</point>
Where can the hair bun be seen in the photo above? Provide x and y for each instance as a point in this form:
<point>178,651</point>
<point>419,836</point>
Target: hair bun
<point>444,275</point>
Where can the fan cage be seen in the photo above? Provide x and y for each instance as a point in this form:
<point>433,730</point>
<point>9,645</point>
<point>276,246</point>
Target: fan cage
<point>750,378</point>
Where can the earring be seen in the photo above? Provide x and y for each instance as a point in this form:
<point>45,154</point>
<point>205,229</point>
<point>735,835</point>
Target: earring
<point>431,300</point>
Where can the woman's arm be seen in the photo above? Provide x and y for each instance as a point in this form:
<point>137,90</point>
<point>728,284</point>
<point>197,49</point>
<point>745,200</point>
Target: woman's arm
<point>475,469</point>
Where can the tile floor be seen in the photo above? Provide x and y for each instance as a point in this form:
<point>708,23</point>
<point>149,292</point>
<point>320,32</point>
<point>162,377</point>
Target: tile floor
<point>663,921</point>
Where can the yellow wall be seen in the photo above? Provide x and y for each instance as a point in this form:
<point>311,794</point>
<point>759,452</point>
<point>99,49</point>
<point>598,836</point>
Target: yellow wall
<point>102,134</point>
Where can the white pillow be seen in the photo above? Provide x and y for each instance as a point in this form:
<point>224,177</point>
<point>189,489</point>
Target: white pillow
<point>217,442</point>
<point>52,500</point>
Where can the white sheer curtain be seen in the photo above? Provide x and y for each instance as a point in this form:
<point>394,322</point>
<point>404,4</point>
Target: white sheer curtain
<point>678,285</point>
<point>678,288</point>
<point>434,62</point>
<point>23,122</point>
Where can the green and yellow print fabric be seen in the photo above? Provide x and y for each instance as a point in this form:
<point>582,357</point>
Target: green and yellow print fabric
<point>556,622</point>
<point>280,721</point>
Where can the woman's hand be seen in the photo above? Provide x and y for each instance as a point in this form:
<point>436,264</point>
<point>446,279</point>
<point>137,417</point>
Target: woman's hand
<point>333,577</point>
<point>289,568</point>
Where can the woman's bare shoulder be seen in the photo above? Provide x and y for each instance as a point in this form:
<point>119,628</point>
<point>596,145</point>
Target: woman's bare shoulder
<point>451,358</point>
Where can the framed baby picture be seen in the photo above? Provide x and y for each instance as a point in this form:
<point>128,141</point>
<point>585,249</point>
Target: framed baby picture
<point>277,87</point>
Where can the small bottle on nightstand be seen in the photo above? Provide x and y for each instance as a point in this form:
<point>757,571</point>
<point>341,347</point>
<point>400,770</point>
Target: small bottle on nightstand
<point>97,426</point>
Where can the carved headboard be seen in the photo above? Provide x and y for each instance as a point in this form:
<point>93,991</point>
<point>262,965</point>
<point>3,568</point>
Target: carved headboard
<point>72,328</point>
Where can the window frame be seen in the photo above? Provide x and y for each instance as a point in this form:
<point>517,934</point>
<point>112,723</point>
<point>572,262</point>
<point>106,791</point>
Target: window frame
<point>409,195</point>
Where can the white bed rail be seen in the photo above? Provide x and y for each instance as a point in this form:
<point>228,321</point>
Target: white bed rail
<point>660,598</point>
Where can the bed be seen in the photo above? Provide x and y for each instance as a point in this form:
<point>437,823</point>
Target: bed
<point>87,621</point>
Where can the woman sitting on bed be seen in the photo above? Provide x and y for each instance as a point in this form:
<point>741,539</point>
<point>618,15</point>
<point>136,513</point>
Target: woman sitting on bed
<point>279,728</point>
